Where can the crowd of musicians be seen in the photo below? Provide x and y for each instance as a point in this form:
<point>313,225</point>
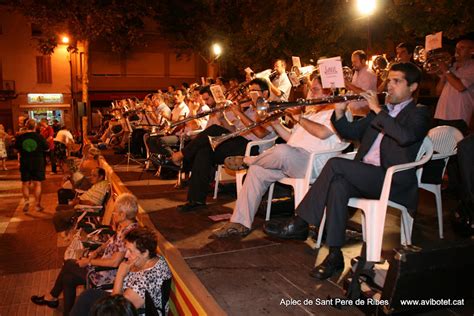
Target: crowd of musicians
<point>170,129</point>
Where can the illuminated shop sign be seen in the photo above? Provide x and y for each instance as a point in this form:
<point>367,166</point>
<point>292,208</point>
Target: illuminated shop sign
<point>45,98</point>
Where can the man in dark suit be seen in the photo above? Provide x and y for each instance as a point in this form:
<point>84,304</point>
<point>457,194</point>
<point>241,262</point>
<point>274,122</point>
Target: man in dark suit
<point>388,135</point>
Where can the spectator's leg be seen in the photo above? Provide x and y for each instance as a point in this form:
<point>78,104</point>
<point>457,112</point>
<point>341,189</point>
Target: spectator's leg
<point>37,192</point>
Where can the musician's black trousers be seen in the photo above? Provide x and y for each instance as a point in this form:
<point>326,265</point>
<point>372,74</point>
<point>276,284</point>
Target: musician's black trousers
<point>137,145</point>
<point>201,159</point>
<point>339,180</point>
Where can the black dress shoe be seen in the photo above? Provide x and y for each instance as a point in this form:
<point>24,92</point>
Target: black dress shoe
<point>39,300</point>
<point>190,206</point>
<point>295,228</point>
<point>333,263</point>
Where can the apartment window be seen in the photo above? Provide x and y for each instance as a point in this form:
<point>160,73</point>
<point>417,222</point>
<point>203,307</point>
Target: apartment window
<point>36,30</point>
<point>43,69</point>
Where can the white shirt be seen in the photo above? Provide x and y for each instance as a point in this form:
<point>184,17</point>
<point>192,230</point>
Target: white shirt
<point>284,85</point>
<point>64,136</point>
<point>201,122</point>
<point>162,110</point>
<point>366,80</point>
<point>301,138</point>
<point>251,114</point>
<point>178,111</point>
<point>455,105</point>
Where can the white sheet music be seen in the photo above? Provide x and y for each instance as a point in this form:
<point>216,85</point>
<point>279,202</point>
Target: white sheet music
<point>433,41</point>
<point>331,73</point>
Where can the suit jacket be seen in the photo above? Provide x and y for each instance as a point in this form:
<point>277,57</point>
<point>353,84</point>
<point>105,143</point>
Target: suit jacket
<point>403,136</point>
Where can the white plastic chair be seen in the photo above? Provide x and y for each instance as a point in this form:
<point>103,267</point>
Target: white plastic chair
<point>301,185</point>
<point>374,211</point>
<point>262,144</point>
<point>445,140</point>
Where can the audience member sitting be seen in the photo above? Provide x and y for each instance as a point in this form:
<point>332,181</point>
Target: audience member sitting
<point>143,272</point>
<point>94,196</point>
<point>79,177</point>
<point>110,254</point>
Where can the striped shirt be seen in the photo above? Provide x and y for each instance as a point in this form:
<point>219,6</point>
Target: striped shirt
<point>96,193</point>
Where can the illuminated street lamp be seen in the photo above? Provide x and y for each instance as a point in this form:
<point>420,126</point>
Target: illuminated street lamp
<point>65,40</point>
<point>367,8</point>
<point>217,49</point>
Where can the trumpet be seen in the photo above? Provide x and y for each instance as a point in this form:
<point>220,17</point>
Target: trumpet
<point>431,59</point>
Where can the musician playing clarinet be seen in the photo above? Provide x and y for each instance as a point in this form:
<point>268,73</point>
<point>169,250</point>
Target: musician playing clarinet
<point>389,135</point>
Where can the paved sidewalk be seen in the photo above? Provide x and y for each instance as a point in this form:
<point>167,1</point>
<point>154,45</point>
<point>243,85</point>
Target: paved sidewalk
<point>29,256</point>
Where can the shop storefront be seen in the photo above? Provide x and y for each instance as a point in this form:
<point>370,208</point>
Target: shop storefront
<point>51,106</point>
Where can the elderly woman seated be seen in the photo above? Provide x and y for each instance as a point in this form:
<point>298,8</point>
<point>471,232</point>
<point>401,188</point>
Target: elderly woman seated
<point>110,254</point>
<point>79,177</point>
<point>144,272</point>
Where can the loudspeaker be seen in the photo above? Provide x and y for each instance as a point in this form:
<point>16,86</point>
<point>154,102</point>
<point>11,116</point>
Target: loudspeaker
<point>422,279</point>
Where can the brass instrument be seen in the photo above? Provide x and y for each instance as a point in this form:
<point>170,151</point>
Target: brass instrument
<point>347,73</point>
<point>297,75</point>
<point>431,59</point>
<point>215,141</point>
<point>381,66</point>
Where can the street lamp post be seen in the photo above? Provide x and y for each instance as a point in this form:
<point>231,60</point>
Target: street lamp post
<point>367,8</point>
<point>217,50</point>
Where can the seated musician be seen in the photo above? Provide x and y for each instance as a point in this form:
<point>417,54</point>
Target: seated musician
<point>124,120</point>
<point>364,79</point>
<point>389,135</point>
<point>312,132</point>
<point>179,112</point>
<point>140,127</point>
<point>198,154</point>
<point>161,110</point>
<point>280,86</point>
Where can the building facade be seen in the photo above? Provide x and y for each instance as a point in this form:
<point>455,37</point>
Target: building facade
<point>50,86</point>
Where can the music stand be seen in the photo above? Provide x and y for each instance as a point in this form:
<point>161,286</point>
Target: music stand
<point>128,155</point>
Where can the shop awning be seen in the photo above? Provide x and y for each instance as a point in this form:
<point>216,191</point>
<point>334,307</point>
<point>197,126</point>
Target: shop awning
<point>44,106</point>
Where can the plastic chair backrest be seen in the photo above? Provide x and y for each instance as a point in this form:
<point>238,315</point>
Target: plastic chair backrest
<point>445,139</point>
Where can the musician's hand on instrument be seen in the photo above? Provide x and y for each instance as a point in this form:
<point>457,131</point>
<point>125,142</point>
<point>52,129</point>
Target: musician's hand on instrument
<point>443,67</point>
<point>341,106</point>
<point>372,99</point>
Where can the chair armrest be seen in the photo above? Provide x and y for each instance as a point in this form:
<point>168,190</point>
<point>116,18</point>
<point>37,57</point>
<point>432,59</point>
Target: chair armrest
<point>402,167</point>
<point>349,156</point>
<point>259,143</point>
<point>441,156</point>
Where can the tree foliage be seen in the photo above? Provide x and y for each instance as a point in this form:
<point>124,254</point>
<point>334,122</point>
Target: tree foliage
<point>254,33</point>
<point>119,23</point>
